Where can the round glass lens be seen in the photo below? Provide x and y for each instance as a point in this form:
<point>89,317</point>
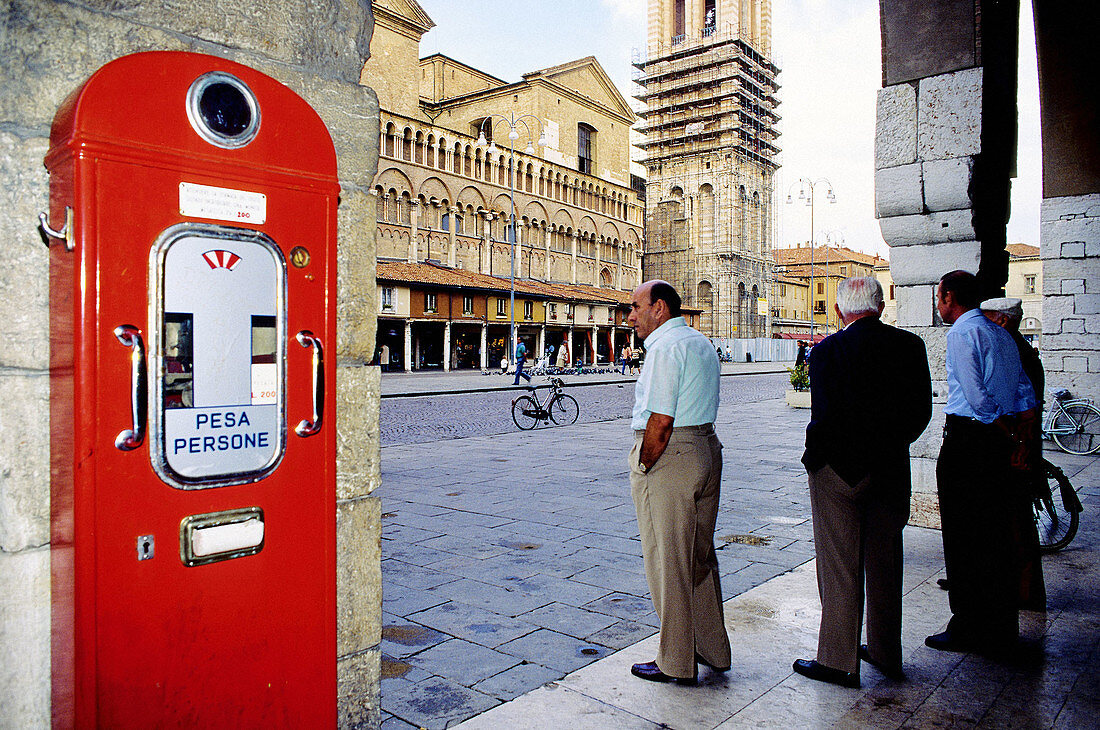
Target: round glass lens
<point>225,109</point>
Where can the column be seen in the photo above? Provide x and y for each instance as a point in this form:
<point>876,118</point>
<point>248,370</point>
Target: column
<point>541,340</point>
<point>484,346</point>
<point>408,347</point>
<point>414,219</point>
<point>486,263</point>
<point>573,275</point>
<point>452,211</point>
<point>546,247</point>
<point>447,346</point>
<point>519,247</point>
<point>596,271</point>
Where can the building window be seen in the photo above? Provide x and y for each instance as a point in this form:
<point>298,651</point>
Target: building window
<point>843,270</point>
<point>782,290</point>
<point>591,313</point>
<point>891,292</point>
<point>528,310</point>
<point>387,299</point>
<point>502,307</point>
<point>467,304</point>
<point>430,303</point>
<point>586,139</point>
<point>678,22</point>
<point>820,288</point>
<point>819,307</point>
<point>482,126</point>
<point>709,17</point>
<point>1029,284</point>
<point>552,310</point>
<point>610,314</point>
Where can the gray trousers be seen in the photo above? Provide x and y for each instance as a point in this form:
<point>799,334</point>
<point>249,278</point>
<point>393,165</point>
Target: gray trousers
<point>677,505</point>
<point>857,537</point>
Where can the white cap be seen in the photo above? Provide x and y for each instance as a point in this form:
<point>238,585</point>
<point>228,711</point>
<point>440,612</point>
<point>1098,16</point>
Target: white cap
<point>1012,306</point>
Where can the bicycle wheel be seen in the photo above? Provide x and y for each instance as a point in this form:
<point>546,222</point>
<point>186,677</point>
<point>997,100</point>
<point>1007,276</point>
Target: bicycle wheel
<point>1056,524</point>
<point>525,412</point>
<point>1079,427</point>
<point>564,409</point>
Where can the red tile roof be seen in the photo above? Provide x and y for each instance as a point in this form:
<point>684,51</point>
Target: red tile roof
<point>821,254</point>
<point>1022,251</point>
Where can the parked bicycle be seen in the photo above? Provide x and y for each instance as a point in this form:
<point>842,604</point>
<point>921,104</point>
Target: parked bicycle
<point>1057,510</point>
<point>1073,423</point>
<point>559,407</point>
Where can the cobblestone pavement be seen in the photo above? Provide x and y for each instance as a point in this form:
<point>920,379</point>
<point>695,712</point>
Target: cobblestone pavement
<point>511,559</point>
<point>426,419</point>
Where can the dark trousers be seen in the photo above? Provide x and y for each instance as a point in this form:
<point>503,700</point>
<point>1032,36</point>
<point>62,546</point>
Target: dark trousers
<point>975,488</point>
<point>857,538</point>
<point>520,373</point>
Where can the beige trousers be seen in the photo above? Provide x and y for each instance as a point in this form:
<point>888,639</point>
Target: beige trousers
<point>677,505</point>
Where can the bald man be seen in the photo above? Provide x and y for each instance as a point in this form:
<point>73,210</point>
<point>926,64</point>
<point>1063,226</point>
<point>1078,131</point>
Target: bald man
<point>675,470</point>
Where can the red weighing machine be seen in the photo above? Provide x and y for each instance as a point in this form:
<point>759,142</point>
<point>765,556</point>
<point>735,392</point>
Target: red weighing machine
<point>193,289</point>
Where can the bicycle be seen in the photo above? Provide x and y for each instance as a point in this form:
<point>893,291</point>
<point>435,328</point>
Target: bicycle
<point>559,407</point>
<point>1073,423</point>
<point>1057,509</point>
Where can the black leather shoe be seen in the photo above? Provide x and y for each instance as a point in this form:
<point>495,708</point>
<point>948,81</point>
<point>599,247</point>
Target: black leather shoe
<point>894,673</point>
<point>812,669</point>
<point>942,583</point>
<point>700,660</point>
<point>651,672</point>
<point>946,641</point>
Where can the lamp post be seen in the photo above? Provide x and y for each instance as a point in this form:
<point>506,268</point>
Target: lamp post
<point>513,121</point>
<point>806,189</point>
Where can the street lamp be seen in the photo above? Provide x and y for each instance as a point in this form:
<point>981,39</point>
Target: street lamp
<point>806,188</point>
<point>513,121</point>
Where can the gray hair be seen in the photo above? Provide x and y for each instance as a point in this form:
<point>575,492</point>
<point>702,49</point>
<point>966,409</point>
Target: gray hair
<point>859,295</point>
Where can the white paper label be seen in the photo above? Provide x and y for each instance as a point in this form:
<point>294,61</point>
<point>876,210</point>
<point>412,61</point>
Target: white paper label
<point>226,538</point>
<point>223,204</point>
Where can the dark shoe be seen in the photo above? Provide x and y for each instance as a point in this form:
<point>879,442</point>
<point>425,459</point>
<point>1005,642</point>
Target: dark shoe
<point>894,673</point>
<point>650,671</point>
<point>700,660</point>
<point>810,668</point>
<point>942,583</point>
<point>946,641</point>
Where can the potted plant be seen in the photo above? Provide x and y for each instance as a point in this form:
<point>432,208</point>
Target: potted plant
<point>799,394</point>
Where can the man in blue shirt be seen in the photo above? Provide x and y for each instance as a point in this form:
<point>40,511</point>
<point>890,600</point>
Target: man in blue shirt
<point>987,388</point>
<point>521,355</point>
<point>675,471</point>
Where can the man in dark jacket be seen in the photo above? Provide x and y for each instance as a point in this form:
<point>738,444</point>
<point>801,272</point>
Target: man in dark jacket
<point>871,397</point>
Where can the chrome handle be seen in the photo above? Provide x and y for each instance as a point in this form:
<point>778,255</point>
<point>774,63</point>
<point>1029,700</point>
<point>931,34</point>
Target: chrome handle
<point>66,232</point>
<point>131,438</point>
<point>308,428</point>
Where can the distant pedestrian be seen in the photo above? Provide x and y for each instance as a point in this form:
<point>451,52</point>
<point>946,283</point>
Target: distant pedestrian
<point>624,357</point>
<point>800,358</point>
<point>384,358</point>
<point>563,355</point>
<point>521,355</point>
<point>635,360</point>
<point>986,389</point>
<point>871,397</point>
<point>675,473</point>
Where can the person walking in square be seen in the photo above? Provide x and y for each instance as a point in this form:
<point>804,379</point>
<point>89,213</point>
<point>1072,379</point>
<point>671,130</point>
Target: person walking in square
<point>624,357</point>
<point>521,355</point>
<point>986,389</point>
<point>675,474</point>
<point>871,397</point>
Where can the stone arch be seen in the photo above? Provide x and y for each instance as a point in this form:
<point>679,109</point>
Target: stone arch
<point>393,177</point>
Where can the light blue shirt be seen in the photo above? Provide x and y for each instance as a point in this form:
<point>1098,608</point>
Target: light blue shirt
<point>679,378</point>
<point>985,379</point>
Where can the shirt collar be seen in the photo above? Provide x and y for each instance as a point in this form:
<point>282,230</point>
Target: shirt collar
<point>968,315</point>
<point>664,329</point>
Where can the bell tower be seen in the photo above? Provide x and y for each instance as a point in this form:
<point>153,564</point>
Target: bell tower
<point>709,88</point>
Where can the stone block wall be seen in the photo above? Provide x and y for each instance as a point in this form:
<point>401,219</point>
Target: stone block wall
<point>49,48</point>
<point>1069,232</point>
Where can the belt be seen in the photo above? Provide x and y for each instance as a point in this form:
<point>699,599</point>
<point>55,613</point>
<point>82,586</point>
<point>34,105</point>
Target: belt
<point>703,429</point>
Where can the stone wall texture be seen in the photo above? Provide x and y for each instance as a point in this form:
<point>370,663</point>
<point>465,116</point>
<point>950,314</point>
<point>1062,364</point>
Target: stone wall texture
<point>49,47</point>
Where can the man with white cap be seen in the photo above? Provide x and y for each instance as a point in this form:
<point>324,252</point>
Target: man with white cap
<point>1007,312</point>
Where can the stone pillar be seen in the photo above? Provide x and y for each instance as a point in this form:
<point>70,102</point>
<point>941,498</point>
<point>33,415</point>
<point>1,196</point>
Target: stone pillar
<point>573,263</point>
<point>414,211</point>
<point>486,263</point>
<point>546,248</point>
<point>447,347</point>
<point>409,355</point>
<point>598,243</point>
<point>518,232</point>
<point>541,342</point>
<point>452,212</point>
<point>944,148</point>
<point>484,346</point>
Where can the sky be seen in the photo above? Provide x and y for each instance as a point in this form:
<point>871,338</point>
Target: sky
<point>829,55</point>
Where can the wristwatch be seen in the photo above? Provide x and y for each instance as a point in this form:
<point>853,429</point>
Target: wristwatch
<point>642,467</point>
